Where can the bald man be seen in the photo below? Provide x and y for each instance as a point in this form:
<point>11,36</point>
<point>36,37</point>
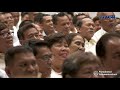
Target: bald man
<point>107,22</point>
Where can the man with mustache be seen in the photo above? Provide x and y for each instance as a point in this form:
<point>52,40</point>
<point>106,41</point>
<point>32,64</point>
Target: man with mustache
<point>85,28</point>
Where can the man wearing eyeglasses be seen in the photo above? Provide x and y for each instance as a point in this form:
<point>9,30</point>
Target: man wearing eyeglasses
<point>107,21</point>
<point>43,55</point>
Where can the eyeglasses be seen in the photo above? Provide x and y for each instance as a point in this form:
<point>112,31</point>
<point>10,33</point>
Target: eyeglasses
<point>107,17</point>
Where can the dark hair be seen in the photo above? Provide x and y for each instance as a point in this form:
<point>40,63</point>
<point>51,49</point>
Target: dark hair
<point>55,17</point>
<point>24,22</point>
<point>80,14</point>
<point>75,61</point>
<point>9,55</point>
<point>75,18</point>
<point>71,13</point>
<point>69,37</point>
<point>39,17</point>
<point>79,23</point>
<point>34,44</point>
<point>24,13</point>
<point>2,26</point>
<point>54,38</point>
<point>21,30</point>
<point>101,44</point>
<point>95,18</point>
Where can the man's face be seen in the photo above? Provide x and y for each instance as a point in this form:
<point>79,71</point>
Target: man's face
<point>87,28</point>
<point>63,25</point>
<point>44,58</point>
<point>29,34</point>
<point>47,23</point>
<point>6,39</point>
<point>26,17</point>
<point>108,22</point>
<point>112,57</point>
<point>10,20</point>
<point>24,66</point>
<point>97,25</point>
<point>16,17</point>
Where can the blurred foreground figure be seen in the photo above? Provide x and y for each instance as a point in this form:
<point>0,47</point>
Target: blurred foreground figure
<point>81,65</point>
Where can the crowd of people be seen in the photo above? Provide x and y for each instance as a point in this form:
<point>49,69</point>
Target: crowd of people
<point>62,45</point>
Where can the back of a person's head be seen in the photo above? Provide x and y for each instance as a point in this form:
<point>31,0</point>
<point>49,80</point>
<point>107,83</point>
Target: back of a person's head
<point>77,60</point>
<point>9,55</point>
<point>101,44</point>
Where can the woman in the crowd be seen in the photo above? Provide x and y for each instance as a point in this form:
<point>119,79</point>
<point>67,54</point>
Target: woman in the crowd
<point>75,42</point>
<point>60,51</point>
